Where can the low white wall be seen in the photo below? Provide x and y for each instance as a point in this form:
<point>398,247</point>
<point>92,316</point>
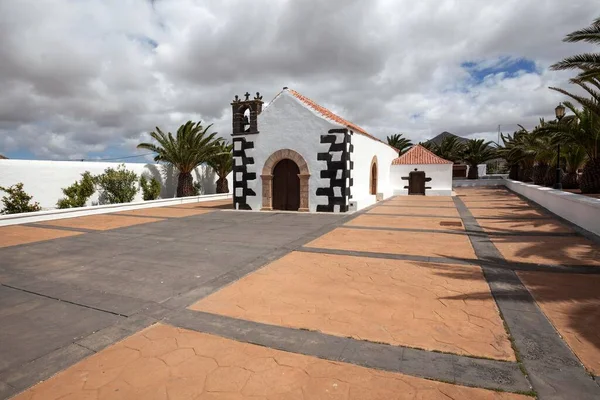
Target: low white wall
<point>581,210</point>
<point>477,182</point>
<point>44,179</point>
<point>40,216</point>
<point>440,174</point>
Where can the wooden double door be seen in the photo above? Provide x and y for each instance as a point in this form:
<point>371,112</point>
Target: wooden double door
<point>286,186</point>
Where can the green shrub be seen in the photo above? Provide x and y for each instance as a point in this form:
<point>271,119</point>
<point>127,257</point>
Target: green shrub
<point>78,193</point>
<point>197,188</point>
<point>17,200</point>
<point>150,190</point>
<point>117,185</point>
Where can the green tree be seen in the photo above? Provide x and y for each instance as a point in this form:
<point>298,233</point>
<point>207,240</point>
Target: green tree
<point>78,193</point>
<point>190,147</point>
<point>117,185</point>
<point>475,152</point>
<point>588,64</point>
<point>582,129</point>
<point>399,142</point>
<point>17,201</point>
<point>450,148</point>
<point>150,189</point>
<point>575,157</point>
<point>222,164</point>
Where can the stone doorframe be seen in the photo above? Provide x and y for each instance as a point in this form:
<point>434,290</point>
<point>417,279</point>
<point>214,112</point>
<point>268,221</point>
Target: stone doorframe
<point>267,178</point>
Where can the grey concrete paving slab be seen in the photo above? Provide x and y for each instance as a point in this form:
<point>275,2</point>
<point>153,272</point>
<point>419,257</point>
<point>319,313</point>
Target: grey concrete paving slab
<point>44,367</point>
<point>87,297</point>
<point>439,366</point>
<point>50,324</point>
<point>67,292</point>
<point>408,257</point>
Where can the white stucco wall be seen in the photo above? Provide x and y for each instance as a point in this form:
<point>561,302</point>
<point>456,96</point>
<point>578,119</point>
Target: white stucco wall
<point>44,179</point>
<point>288,124</point>
<point>440,174</point>
<point>580,210</point>
<point>364,150</point>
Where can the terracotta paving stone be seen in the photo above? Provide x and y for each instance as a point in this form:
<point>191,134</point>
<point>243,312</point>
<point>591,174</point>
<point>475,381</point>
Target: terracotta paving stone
<point>518,212</point>
<point>572,303</point>
<point>165,212</point>
<point>391,221</point>
<point>101,222</point>
<point>18,234</point>
<point>221,369</point>
<point>396,242</point>
<point>218,204</point>
<point>440,212</point>
<point>548,250</point>
<point>523,225</point>
<point>390,301</point>
<point>428,200</point>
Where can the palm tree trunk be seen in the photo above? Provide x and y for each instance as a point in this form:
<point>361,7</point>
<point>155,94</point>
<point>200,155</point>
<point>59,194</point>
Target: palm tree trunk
<point>569,181</point>
<point>514,172</point>
<point>185,184</point>
<point>473,172</point>
<point>539,173</point>
<point>222,185</point>
<point>590,179</point>
<point>550,178</point>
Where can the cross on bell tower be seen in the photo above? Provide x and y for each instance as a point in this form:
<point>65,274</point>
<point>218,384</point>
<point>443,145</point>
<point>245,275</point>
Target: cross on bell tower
<point>245,114</point>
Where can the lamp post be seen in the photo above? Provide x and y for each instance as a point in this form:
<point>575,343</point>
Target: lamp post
<point>559,111</point>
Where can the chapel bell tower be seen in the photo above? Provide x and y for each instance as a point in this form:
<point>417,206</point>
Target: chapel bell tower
<point>245,114</point>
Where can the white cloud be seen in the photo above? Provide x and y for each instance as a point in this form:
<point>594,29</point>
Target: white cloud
<point>92,76</point>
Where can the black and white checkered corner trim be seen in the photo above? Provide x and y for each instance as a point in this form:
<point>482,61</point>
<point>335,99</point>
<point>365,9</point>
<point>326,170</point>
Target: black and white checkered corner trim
<point>338,171</point>
<point>241,174</point>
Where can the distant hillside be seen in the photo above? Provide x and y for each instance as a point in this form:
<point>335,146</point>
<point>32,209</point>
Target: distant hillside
<point>3,158</point>
<point>438,139</point>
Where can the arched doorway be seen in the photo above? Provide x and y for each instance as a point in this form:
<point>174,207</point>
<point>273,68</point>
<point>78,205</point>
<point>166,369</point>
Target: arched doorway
<point>286,186</point>
<point>373,179</point>
<point>268,180</point>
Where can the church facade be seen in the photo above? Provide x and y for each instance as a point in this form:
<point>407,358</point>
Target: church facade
<point>296,155</point>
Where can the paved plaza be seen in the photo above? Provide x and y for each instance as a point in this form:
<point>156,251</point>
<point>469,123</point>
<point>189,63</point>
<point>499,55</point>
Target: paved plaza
<point>482,295</point>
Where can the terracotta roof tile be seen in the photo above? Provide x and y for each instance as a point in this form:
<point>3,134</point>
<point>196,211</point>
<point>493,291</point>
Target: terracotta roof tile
<point>334,117</point>
<point>419,155</point>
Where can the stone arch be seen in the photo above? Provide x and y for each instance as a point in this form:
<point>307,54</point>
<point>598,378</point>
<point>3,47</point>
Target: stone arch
<point>373,176</point>
<point>267,177</point>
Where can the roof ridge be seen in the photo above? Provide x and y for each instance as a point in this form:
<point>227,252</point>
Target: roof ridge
<point>326,113</point>
<point>423,156</point>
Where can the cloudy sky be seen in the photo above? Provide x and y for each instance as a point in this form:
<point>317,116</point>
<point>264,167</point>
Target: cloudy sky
<point>89,78</point>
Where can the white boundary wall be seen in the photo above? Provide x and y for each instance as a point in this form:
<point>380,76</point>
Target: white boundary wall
<point>39,216</point>
<point>440,174</point>
<point>581,210</point>
<point>44,179</point>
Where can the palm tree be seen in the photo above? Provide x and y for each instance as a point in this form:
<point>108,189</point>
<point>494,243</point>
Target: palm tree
<point>582,129</point>
<point>575,157</point>
<point>449,148</point>
<point>588,63</point>
<point>222,164</point>
<point>509,153</point>
<point>190,147</point>
<point>475,152</point>
<point>399,142</point>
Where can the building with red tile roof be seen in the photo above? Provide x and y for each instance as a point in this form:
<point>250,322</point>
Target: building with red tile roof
<point>419,155</point>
